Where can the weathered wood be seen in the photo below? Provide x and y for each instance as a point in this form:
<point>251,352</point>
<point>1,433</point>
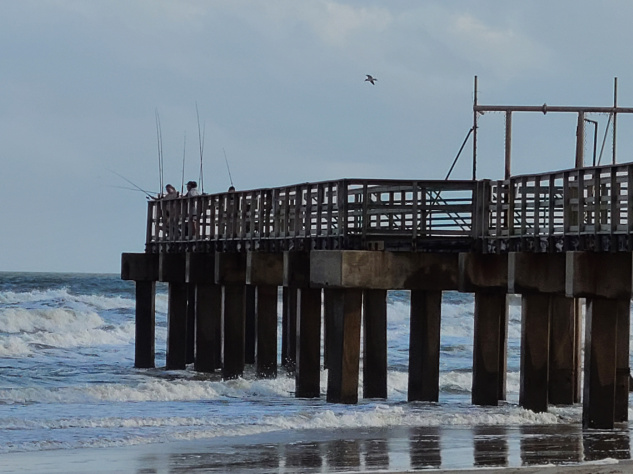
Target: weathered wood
<point>623,371</point>
<point>233,340</point>
<point>139,266</point>
<point>308,369</point>
<point>250,335</point>
<point>176,357</point>
<point>600,363</point>
<point>605,275</point>
<point>145,331</point>
<point>345,349</point>
<point>374,343</point>
<point>564,351</point>
<point>424,346</point>
<point>266,314</point>
<point>535,337</point>
<point>191,323</point>
<point>383,270</point>
<point>208,317</point>
<point>488,349</point>
<point>289,329</point>
<point>328,323</point>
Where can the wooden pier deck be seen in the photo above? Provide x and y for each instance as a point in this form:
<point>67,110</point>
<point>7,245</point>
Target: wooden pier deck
<point>341,245</point>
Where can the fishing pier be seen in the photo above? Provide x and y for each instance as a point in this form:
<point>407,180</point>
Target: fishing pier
<point>335,248</point>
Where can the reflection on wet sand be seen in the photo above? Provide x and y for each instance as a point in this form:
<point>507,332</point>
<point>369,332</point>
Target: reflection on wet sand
<point>425,448</point>
<point>551,445</point>
<point>399,449</point>
<point>490,446</point>
<point>376,454</point>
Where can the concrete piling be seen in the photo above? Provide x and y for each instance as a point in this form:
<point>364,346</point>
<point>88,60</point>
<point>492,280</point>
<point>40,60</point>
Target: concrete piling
<point>230,273</point>
<point>424,346</point>
<point>344,334</point>
<point>374,343</point>
<point>535,339</point>
<point>143,270</point>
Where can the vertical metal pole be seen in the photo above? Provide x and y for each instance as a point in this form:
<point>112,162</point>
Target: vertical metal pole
<point>475,132</point>
<point>595,141</point>
<point>508,171</point>
<point>615,116</point>
<point>580,140</point>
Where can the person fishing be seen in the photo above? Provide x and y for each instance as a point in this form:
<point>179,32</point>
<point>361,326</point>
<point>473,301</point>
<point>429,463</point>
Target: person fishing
<point>169,211</point>
<point>192,191</point>
<point>170,193</point>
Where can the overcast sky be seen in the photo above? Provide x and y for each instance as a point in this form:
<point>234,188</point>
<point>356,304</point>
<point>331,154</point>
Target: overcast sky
<point>279,86</point>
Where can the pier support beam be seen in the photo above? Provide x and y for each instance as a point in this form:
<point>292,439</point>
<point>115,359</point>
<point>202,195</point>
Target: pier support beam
<point>600,363</point>
<point>489,349</point>
<point>535,338</point>
<point>289,329</point>
<point>142,268</point>
<point>308,324</point>
<point>540,278</point>
<point>264,271</point>
<point>605,281</point>
<point>623,370</point>
<point>230,272</point>
<point>344,357</point>
<point>424,346</point>
<point>565,349</point>
<point>172,269</point>
<point>145,346</point>
<point>487,276</point>
<point>374,343</point>
<point>191,323</point>
<point>208,310</point>
<point>425,274</point>
<point>250,331</point>
<point>266,355</point>
<point>176,357</point>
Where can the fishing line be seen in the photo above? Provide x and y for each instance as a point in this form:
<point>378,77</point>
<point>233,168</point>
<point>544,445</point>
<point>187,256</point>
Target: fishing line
<point>201,142</point>
<point>159,139</point>
<point>227,166</point>
<point>133,184</point>
<point>184,149</point>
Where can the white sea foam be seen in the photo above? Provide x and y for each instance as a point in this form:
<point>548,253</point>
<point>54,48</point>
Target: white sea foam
<point>18,320</point>
<point>63,297</point>
<point>23,331</point>
<point>123,430</point>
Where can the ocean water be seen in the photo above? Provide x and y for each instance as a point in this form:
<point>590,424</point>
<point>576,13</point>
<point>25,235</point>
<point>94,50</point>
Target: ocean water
<point>67,381</point>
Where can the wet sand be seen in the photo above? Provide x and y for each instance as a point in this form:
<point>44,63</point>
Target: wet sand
<point>487,449</point>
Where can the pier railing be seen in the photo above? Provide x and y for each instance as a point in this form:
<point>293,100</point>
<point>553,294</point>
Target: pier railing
<point>577,209</point>
<point>344,214</point>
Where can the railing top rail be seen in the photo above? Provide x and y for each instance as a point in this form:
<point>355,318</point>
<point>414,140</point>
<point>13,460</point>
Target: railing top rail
<point>570,170</point>
<point>452,184</point>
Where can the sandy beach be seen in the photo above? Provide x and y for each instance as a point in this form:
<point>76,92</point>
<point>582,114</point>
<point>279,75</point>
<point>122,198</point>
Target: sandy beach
<point>492,449</point>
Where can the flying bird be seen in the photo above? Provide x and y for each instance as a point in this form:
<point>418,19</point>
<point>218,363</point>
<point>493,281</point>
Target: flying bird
<point>371,79</point>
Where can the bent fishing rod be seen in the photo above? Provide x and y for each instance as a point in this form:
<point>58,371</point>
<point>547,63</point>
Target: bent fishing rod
<point>138,188</point>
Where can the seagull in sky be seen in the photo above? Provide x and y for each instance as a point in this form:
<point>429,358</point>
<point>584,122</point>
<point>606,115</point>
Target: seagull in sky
<point>371,79</point>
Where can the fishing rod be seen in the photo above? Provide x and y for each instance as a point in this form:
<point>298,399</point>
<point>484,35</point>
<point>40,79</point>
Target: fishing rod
<point>159,139</point>
<point>201,142</point>
<point>128,188</point>
<point>138,188</point>
<point>227,167</point>
<point>184,149</point>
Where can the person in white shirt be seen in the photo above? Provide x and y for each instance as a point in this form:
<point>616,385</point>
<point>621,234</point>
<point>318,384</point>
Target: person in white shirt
<point>192,189</point>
